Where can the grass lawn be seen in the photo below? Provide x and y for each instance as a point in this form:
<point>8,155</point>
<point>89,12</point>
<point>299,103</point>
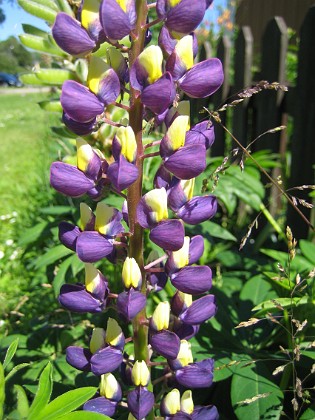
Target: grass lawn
<point>24,181</point>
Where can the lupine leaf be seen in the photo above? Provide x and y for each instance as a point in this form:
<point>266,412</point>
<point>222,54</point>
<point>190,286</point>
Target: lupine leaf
<point>32,234</point>
<point>10,353</point>
<point>66,403</point>
<point>309,414</point>
<point>52,256</point>
<point>43,393</point>
<point>59,279</point>
<point>253,393</point>
<point>84,415</point>
<point>38,10</point>
<point>15,370</point>
<point>273,305</point>
<point>22,401</point>
<point>57,210</point>
<point>308,250</point>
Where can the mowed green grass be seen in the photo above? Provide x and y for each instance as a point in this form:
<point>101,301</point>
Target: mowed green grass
<point>24,133</point>
<point>25,157</point>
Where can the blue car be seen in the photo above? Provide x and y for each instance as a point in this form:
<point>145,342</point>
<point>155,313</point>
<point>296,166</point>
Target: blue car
<point>7,79</point>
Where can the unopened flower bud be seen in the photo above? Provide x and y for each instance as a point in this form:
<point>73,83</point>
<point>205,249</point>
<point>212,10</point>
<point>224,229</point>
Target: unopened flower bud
<point>97,341</point>
<point>161,317</point>
<point>109,387</point>
<point>186,402</point>
<point>140,373</point>
<point>114,334</point>
<point>170,404</point>
<point>131,274</point>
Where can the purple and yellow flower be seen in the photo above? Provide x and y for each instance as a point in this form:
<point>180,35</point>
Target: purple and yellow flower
<point>91,297</point>
<point>152,213</point>
<point>164,342</point>
<point>146,75</point>
<point>192,210</point>
<point>110,395</point>
<point>85,178</point>
<point>182,16</point>
<point>118,18</point>
<point>177,155</point>
<point>95,239</point>
<point>123,172</point>
<point>100,358</point>
<point>140,400</point>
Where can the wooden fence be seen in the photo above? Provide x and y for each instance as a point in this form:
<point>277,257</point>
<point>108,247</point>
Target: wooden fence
<point>272,108</point>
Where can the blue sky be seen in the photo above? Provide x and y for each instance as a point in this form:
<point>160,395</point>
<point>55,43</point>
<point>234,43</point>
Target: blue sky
<point>15,16</point>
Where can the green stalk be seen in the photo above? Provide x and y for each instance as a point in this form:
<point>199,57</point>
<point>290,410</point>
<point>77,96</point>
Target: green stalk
<point>140,331</point>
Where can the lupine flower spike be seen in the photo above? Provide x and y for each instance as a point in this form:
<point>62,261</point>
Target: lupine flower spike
<point>160,294</point>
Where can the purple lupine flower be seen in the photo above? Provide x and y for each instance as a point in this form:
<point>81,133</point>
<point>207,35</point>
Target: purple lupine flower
<point>103,356</point>
<point>118,18</point>
<point>140,402</point>
<point>89,298</point>
<point>152,213</point>
<point>164,342</point>
<point>168,43</point>
<point>123,172</point>
<point>192,210</point>
<point>93,245</point>
<point>182,16</point>
<point>146,75</point>
<point>71,36</point>
<point>82,129</point>
<point>130,303</point>
<point>85,178</point>
<point>196,375</point>
<point>110,395</point>
<point>177,155</point>
<point>209,412</point>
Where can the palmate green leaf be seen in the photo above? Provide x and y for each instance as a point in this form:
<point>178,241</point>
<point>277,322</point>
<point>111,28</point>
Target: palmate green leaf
<point>309,414</point>
<point>38,10</point>
<point>273,305</point>
<point>254,395</point>
<point>22,401</point>
<point>217,231</point>
<point>66,403</point>
<point>53,255</point>
<point>84,415</point>
<point>308,250</point>
<point>43,393</point>
<point>57,210</point>
<point>32,234</point>
<point>60,277</point>
<point>15,370</point>
<point>10,352</point>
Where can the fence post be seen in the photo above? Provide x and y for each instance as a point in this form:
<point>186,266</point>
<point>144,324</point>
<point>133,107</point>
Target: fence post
<point>268,104</point>
<point>243,59</point>
<point>303,141</point>
<point>224,54</point>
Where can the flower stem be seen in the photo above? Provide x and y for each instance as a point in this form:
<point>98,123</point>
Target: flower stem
<point>140,329</point>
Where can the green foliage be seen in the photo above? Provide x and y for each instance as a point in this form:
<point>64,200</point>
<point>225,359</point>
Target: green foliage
<point>14,58</point>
